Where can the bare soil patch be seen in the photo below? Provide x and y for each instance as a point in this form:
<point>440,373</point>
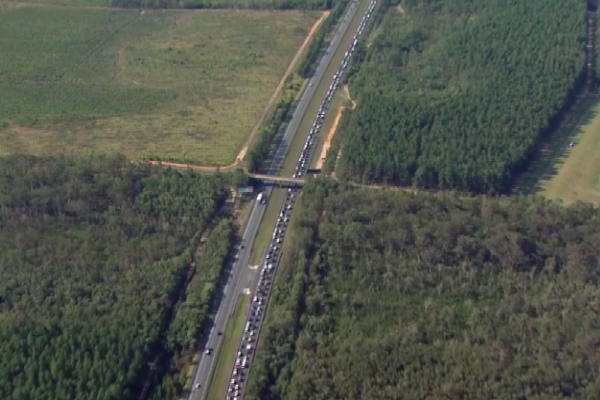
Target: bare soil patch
<point>327,143</point>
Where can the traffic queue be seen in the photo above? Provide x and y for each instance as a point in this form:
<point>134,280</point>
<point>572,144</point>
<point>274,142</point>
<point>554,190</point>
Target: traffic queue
<point>315,129</point>
<point>261,295</point>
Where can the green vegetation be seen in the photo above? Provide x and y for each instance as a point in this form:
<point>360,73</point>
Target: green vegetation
<point>319,41</point>
<point>553,153</point>
<point>93,256</point>
<point>184,86</point>
<point>232,336</point>
<point>387,294</point>
<point>193,4</point>
<point>457,94</point>
<point>336,144</point>
<point>263,147</point>
<point>265,230</point>
<point>191,313</point>
<point>339,100</point>
<point>575,174</point>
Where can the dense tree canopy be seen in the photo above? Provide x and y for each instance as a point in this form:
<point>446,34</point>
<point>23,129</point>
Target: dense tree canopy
<point>222,4</point>
<point>90,253</point>
<point>458,93</point>
<point>391,295</point>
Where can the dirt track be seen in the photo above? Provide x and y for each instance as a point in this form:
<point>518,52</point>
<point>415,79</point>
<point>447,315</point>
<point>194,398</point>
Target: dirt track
<point>331,133</point>
<point>327,143</point>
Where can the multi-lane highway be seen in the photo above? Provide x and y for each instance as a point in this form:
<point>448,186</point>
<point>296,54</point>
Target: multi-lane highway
<point>242,276</point>
<point>270,260</point>
<point>236,281</point>
<point>309,91</point>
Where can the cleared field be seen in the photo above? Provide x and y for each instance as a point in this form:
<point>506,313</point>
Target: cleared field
<point>577,174</point>
<point>177,85</point>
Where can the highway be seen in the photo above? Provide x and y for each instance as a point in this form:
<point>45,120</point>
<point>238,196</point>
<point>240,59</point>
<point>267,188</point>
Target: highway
<point>270,259</point>
<point>309,91</point>
<point>230,291</point>
<point>242,276</point>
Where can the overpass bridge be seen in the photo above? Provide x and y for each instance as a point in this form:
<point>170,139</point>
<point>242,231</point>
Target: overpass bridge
<point>278,180</point>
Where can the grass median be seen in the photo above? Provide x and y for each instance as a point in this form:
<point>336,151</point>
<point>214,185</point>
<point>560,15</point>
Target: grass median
<point>266,225</point>
<point>217,388</point>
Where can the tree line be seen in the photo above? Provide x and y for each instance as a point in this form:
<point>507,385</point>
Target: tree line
<point>396,295</point>
<point>90,253</point>
<point>191,312</point>
<point>225,4</point>
<point>459,94</point>
<point>265,144</point>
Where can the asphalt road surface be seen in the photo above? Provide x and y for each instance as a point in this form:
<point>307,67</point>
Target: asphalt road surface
<point>236,282</point>
<point>242,276</point>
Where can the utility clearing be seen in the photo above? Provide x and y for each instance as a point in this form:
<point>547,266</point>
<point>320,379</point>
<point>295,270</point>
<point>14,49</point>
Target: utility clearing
<point>578,171</point>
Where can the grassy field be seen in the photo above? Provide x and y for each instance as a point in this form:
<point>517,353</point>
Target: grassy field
<point>265,230</point>
<point>577,175</point>
<point>181,85</point>
<point>227,351</point>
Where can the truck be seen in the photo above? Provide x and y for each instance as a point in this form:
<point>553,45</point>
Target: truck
<point>261,198</point>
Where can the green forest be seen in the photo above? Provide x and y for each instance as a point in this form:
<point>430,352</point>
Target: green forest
<point>223,4</point>
<point>92,255</point>
<point>459,93</point>
<point>388,294</point>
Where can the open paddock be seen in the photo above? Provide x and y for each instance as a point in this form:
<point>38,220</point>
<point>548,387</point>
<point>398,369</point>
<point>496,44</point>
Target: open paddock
<point>177,85</point>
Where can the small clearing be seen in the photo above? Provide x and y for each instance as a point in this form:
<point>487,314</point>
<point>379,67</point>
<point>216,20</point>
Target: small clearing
<point>578,171</point>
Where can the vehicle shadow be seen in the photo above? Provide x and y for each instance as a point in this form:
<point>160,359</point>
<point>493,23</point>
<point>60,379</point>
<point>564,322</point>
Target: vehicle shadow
<point>554,150</point>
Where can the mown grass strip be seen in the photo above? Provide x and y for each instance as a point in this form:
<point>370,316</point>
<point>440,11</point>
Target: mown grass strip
<point>266,225</point>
